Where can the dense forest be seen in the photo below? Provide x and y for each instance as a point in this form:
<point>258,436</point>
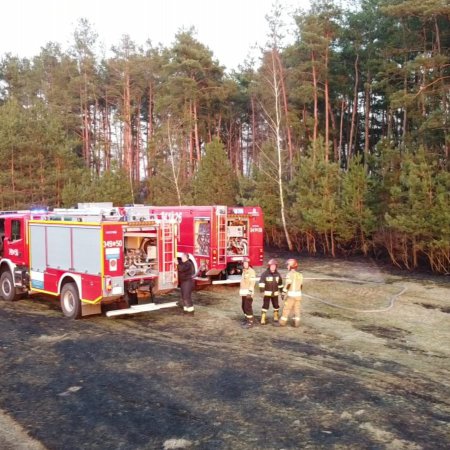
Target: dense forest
<point>342,136</point>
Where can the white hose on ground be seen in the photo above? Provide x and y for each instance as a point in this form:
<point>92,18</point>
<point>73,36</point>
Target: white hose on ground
<point>353,280</point>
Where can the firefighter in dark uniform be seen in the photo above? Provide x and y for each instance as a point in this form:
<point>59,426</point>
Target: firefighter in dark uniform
<point>186,272</point>
<point>270,284</point>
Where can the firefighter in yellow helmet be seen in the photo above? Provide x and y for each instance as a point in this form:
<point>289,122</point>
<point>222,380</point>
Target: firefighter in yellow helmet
<point>270,284</point>
<point>246,290</point>
<point>292,292</point>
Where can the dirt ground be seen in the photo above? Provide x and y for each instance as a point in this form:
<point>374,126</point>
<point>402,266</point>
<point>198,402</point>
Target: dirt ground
<point>345,379</point>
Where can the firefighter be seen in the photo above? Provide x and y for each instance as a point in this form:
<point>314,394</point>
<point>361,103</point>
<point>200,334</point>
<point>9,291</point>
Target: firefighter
<point>270,283</point>
<point>246,290</point>
<point>186,272</point>
<point>292,292</point>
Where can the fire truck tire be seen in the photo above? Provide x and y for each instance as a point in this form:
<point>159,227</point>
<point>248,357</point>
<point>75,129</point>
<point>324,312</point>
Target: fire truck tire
<point>7,289</point>
<point>70,301</point>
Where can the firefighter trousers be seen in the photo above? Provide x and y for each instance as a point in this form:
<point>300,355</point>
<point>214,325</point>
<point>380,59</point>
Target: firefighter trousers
<point>186,291</point>
<point>247,305</point>
<point>268,299</point>
<point>291,306</point>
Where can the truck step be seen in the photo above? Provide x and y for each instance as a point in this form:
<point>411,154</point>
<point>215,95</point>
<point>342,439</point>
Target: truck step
<point>232,279</point>
<point>136,309</point>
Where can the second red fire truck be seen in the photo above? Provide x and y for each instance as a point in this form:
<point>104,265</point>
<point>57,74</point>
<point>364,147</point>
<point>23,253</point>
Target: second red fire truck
<point>219,237</point>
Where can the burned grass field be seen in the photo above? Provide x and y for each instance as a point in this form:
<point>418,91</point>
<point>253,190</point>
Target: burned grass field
<point>344,379</point>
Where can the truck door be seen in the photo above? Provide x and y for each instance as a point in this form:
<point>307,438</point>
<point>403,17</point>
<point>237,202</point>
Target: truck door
<point>14,241</point>
<point>256,237</point>
<point>202,236</point>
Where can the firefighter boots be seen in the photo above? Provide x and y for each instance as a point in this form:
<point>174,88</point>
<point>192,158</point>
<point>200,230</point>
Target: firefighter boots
<point>275,315</point>
<point>281,323</point>
<point>263,318</point>
<point>188,310</point>
<point>296,322</point>
<point>248,323</point>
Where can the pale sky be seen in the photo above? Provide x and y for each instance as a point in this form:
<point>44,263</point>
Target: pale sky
<point>230,28</point>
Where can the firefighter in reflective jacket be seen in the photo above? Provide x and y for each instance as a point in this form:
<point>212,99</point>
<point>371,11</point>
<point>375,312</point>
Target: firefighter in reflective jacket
<point>270,283</point>
<point>246,290</point>
<point>292,292</point>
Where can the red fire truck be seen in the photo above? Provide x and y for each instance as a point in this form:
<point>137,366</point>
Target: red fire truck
<point>218,238</point>
<point>88,257</point>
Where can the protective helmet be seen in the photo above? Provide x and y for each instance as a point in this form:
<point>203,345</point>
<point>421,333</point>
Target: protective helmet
<point>246,259</point>
<point>272,261</point>
<point>292,263</point>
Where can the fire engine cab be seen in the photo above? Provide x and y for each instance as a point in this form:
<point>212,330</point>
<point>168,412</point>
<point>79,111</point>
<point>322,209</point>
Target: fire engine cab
<point>218,238</point>
<point>88,257</point>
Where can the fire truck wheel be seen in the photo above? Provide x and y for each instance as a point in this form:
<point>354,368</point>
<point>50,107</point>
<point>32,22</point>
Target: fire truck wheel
<point>7,289</point>
<point>70,301</point>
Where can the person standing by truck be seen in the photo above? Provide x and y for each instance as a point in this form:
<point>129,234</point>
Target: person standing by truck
<point>246,290</point>
<point>270,284</point>
<point>186,272</point>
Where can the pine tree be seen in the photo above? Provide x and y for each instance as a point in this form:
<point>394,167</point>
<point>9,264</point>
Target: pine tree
<point>265,195</point>
<point>215,183</point>
<point>161,188</point>
<point>35,156</point>
<point>113,186</point>
<point>315,211</point>
<point>418,214</point>
<point>357,221</point>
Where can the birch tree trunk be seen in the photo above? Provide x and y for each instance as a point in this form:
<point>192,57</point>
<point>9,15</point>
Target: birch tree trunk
<point>286,114</point>
<point>277,123</point>
<point>172,163</point>
<point>196,136</point>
